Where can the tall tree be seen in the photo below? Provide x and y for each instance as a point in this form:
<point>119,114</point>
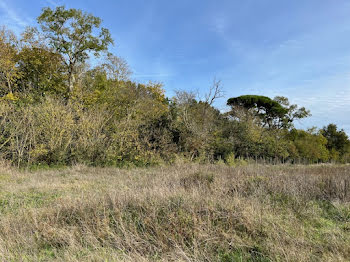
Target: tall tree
<point>74,34</point>
<point>273,113</point>
<point>336,139</point>
<point>293,112</point>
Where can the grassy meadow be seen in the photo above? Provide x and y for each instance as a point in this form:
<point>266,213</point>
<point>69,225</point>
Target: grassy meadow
<point>184,212</point>
<point>100,164</point>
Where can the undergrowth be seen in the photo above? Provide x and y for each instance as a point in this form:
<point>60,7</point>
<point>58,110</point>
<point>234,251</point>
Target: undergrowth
<point>185,212</point>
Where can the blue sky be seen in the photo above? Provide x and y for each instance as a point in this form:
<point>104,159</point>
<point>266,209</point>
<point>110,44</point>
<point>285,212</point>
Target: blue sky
<point>299,49</point>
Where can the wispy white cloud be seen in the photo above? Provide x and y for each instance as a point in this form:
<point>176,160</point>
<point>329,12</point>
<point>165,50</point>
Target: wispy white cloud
<point>219,25</point>
<point>12,15</point>
<point>309,66</point>
<point>151,75</point>
<point>54,3</point>
<point>13,19</point>
<point>156,69</point>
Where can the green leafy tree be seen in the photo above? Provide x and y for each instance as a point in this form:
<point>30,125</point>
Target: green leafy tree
<point>311,145</point>
<point>272,113</point>
<point>74,34</point>
<point>337,140</point>
<point>293,112</point>
<point>42,72</point>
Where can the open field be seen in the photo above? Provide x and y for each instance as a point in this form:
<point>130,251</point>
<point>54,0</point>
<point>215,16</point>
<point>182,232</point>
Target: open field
<point>184,212</point>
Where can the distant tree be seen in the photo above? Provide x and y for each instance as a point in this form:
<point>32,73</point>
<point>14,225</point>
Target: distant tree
<point>336,139</point>
<point>215,92</point>
<point>74,34</point>
<point>293,112</point>
<point>272,113</point>
<point>199,124</point>
<point>310,144</point>
<point>117,68</point>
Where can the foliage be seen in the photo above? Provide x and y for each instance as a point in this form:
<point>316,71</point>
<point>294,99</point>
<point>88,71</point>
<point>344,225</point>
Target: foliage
<point>338,141</point>
<point>311,145</point>
<point>55,109</point>
<point>42,72</point>
<point>274,113</point>
<point>71,33</point>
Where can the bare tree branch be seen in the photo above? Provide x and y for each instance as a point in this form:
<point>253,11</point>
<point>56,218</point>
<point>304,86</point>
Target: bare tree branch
<point>215,92</point>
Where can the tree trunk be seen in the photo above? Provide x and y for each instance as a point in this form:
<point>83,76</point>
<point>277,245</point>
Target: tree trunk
<point>9,83</point>
<point>71,78</point>
<point>70,82</point>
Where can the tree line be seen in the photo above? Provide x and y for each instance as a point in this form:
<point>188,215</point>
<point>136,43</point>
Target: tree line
<point>56,109</point>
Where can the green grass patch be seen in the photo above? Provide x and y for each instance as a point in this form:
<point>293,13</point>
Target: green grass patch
<point>12,202</point>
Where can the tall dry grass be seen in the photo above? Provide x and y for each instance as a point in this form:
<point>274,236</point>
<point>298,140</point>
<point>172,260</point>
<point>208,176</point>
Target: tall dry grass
<point>186,212</point>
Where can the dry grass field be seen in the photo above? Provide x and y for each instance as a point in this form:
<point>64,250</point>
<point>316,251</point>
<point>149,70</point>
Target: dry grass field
<point>185,212</point>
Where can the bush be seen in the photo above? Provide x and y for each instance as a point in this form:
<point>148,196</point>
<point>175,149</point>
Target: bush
<point>231,160</point>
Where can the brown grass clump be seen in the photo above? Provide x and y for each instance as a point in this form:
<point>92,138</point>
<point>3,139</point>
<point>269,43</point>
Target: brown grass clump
<point>181,213</point>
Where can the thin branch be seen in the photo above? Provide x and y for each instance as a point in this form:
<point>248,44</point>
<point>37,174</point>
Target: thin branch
<point>215,92</point>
